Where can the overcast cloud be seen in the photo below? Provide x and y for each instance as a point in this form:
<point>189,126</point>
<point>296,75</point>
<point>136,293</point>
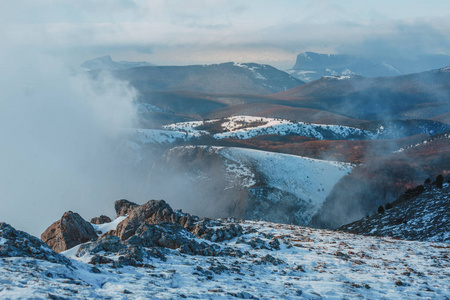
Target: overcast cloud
<point>169,32</point>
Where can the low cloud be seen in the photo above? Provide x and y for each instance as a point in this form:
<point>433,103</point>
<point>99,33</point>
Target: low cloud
<point>62,141</point>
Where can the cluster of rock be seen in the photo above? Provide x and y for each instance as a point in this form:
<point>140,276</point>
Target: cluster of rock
<point>147,231</point>
<point>16,243</point>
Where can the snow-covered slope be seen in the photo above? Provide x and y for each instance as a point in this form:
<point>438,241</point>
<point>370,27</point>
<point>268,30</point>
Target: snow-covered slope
<point>309,264</point>
<point>245,127</point>
<point>309,180</point>
<point>425,217</point>
<point>255,184</point>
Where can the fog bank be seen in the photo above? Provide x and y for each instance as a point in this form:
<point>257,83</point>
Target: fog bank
<point>61,141</point>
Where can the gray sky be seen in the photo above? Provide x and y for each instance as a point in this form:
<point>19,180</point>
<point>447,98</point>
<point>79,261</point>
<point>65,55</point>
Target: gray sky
<point>170,32</point>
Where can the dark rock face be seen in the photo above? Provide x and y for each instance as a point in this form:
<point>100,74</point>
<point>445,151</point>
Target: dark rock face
<point>124,207</point>
<point>16,243</point>
<point>166,235</point>
<point>107,243</point>
<point>148,232</point>
<point>158,211</point>
<point>101,220</point>
<point>68,232</point>
<point>153,212</point>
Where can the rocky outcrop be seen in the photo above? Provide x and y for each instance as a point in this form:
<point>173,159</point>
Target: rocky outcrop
<point>101,220</point>
<point>16,243</point>
<point>158,211</point>
<point>153,212</point>
<point>124,207</point>
<point>148,232</point>
<point>68,232</point>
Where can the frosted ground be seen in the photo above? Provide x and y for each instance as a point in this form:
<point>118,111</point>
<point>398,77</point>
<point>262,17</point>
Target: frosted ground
<point>310,264</point>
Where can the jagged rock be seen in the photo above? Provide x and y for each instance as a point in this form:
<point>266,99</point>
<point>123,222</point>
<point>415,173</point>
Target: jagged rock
<point>154,212</point>
<point>124,207</point>
<point>158,211</point>
<point>216,232</point>
<point>101,220</point>
<point>172,236</point>
<point>16,243</point>
<point>270,259</point>
<point>100,260</point>
<point>153,228</point>
<point>68,232</point>
<point>107,243</point>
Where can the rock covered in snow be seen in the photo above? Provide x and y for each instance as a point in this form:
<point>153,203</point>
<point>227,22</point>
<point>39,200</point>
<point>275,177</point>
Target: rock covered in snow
<point>16,243</point>
<point>68,232</point>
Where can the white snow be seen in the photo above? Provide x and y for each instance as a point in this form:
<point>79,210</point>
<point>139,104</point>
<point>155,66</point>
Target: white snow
<point>108,226</point>
<point>283,127</point>
<point>2,241</point>
<point>348,72</point>
<point>391,68</point>
<point>302,75</point>
<point>306,178</point>
<point>317,264</point>
<point>245,127</point>
<point>338,77</point>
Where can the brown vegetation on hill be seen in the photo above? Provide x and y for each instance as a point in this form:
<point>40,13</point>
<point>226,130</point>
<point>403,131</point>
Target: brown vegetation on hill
<point>297,114</point>
<point>352,151</point>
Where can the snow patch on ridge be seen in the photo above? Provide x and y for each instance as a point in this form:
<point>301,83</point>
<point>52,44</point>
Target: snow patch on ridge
<point>245,127</point>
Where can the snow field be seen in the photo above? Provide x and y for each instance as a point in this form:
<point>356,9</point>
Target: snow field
<point>312,264</point>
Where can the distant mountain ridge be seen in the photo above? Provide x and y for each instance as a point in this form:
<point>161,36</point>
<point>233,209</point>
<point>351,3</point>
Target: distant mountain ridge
<point>311,66</point>
<point>224,78</point>
<point>413,96</point>
<point>106,63</point>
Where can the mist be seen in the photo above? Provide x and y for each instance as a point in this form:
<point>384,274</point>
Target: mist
<point>62,141</point>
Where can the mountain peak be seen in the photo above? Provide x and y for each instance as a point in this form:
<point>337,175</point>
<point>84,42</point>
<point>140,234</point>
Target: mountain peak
<point>106,63</point>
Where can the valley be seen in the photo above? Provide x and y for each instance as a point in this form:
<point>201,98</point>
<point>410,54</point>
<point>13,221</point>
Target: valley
<point>389,132</point>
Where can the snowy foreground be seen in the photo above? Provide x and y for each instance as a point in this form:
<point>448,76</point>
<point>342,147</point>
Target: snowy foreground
<point>310,264</point>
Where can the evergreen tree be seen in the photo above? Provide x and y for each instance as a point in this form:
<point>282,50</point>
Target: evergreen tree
<point>439,181</point>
